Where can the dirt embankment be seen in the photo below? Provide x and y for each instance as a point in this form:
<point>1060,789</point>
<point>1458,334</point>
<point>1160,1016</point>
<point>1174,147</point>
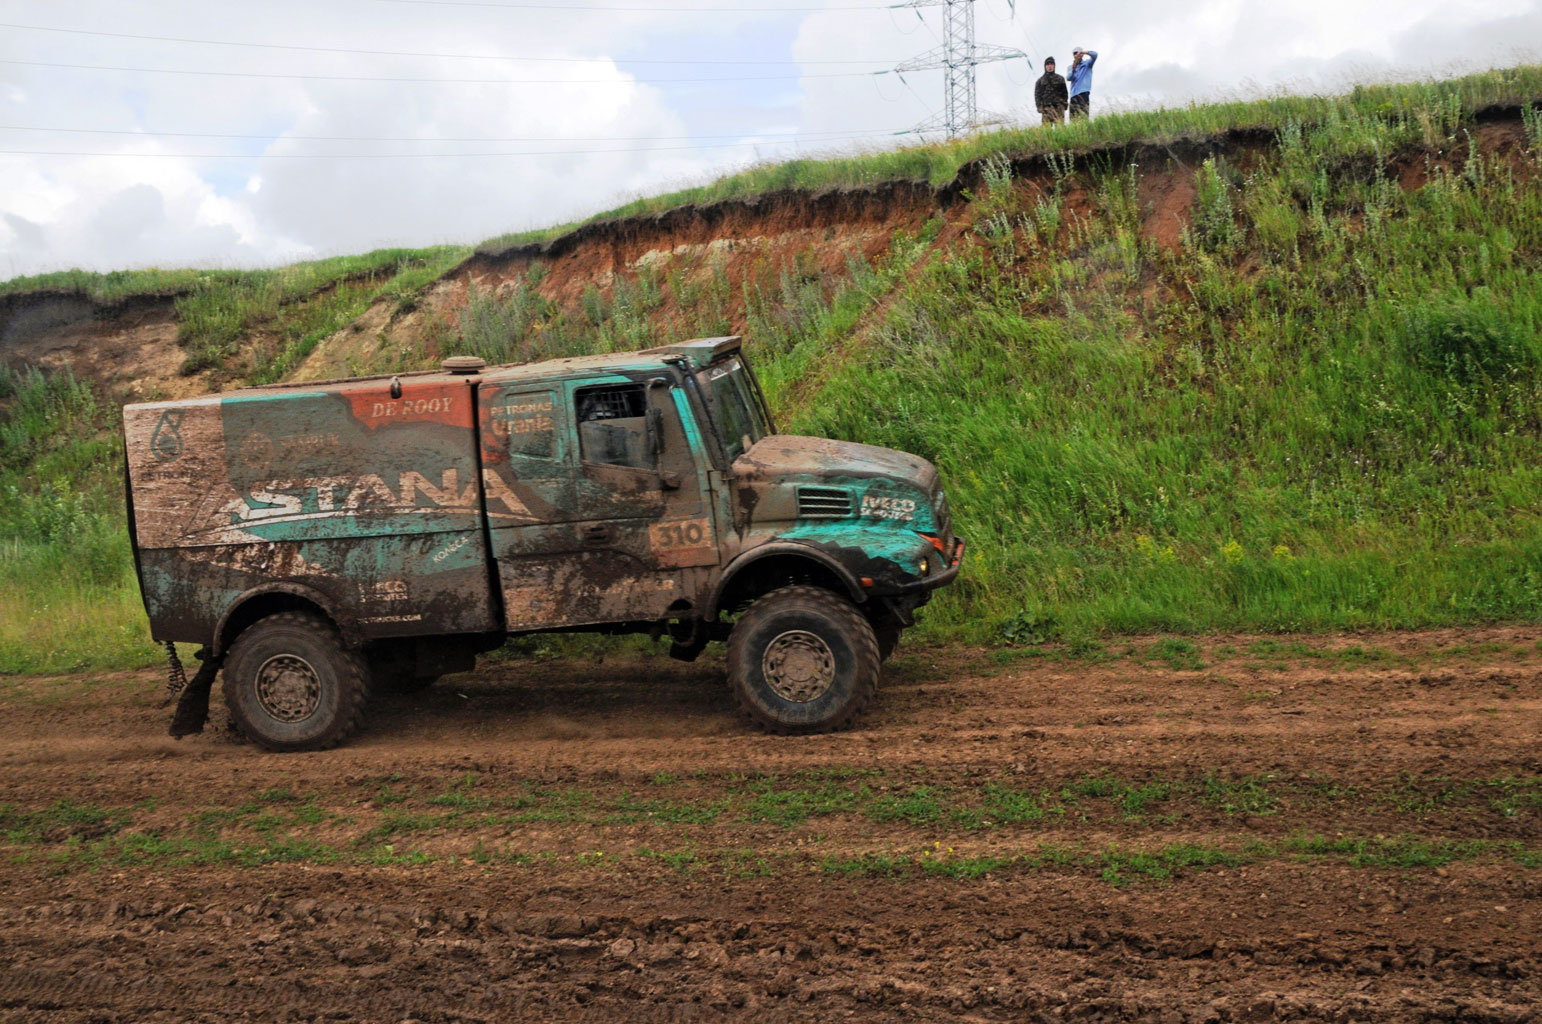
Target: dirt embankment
<point>131,347</point>
<point>1323,829</point>
<point>128,347</point>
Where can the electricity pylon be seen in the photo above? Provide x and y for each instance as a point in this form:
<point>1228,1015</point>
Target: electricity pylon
<point>958,56</point>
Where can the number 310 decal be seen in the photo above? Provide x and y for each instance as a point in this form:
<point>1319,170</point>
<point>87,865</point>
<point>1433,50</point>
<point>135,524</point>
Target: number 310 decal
<point>682,542</point>
<point>689,533</point>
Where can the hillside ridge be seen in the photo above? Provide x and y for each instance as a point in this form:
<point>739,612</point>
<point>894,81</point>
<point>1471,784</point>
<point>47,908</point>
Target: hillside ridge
<point>694,216</point>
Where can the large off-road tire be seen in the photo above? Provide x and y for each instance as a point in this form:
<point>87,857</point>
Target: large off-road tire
<point>290,684</point>
<point>803,659</point>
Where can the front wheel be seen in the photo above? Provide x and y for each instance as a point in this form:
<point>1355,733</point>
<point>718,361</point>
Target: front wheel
<point>802,660</point>
<point>291,685</point>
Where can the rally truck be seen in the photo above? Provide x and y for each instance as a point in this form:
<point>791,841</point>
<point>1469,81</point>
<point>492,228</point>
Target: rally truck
<point>320,540</point>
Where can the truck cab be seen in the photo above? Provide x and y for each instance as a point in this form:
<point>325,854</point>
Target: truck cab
<point>320,538</point>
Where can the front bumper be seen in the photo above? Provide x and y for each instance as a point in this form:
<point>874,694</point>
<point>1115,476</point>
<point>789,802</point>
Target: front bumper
<point>927,583</point>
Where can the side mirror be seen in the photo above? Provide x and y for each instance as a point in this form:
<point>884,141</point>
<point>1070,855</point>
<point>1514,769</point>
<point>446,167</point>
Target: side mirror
<point>656,420</point>
<point>655,432</point>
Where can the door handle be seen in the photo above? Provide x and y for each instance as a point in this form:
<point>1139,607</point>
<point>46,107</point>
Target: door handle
<point>597,533</point>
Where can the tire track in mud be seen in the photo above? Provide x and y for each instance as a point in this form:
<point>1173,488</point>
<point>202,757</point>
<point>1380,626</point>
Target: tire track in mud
<point>286,957</point>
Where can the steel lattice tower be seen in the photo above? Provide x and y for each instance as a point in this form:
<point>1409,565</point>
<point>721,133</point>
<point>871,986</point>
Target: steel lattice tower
<point>958,56</point>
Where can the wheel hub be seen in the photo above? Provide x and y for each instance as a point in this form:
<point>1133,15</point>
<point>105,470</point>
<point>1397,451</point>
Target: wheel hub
<point>798,666</point>
<point>288,688</point>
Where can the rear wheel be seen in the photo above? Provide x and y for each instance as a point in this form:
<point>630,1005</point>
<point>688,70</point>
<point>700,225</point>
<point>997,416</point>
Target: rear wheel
<point>803,659</point>
<point>291,685</point>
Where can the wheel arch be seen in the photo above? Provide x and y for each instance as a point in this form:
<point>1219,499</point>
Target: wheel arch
<point>779,564</point>
<point>269,599</point>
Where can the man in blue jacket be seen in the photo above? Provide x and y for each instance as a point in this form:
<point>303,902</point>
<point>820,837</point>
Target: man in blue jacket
<point>1081,82</point>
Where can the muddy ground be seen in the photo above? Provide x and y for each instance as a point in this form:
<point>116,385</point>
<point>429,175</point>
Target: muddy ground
<point>1325,828</point>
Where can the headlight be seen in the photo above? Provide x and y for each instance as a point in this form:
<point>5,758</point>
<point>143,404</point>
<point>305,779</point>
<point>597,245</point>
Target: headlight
<point>926,567</point>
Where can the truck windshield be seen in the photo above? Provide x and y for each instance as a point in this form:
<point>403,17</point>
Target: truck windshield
<point>734,409</point>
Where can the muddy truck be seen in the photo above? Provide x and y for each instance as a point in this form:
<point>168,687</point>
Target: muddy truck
<point>323,540</point>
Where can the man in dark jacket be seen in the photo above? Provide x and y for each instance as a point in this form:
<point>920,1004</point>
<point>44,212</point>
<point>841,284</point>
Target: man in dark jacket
<point>1049,94</point>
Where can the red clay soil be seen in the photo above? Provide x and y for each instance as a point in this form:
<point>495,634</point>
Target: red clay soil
<point>600,842</point>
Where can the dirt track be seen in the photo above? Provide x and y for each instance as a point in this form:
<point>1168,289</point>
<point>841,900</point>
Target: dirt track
<point>1335,829</point>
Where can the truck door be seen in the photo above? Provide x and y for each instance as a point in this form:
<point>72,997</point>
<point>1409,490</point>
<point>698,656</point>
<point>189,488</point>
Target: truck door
<point>528,483</point>
<point>642,493</point>
<point>596,503</point>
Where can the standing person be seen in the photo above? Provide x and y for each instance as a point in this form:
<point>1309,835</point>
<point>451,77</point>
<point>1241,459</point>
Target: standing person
<point>1081,82</point>
<point>1049,94</point>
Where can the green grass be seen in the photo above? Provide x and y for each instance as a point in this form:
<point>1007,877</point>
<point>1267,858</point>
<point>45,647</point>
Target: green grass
<point>1177,653</point>
<point>63,821</point>
<point>1116,865</point>
<point>1326,418</point>
<point>789,806</point>
<point>339,827</point>
<point>68,599</point>
<point>796,805</point>
<point>302,304</point>
<point>1123,866</point>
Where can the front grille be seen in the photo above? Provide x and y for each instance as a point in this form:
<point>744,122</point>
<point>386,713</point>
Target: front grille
<point>823,503</point>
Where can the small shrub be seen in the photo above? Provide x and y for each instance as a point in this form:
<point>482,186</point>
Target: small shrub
<point>1468,340</point>
<point>1215,224</point>
<point>1029,627</point>
<point>1178,653</point>
<point>1531,117</point>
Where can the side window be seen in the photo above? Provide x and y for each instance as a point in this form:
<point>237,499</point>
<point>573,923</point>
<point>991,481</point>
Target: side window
<point>526,422</point>
<point>613,425</point>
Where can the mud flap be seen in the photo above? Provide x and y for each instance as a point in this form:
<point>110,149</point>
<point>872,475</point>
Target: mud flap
<point>688,647</point>
<point>687,652</point>
<point>193,706</point>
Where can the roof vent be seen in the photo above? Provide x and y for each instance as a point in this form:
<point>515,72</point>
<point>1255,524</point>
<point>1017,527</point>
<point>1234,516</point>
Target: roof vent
<point>464,364</point>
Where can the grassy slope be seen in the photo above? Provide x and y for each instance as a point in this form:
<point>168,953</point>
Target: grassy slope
<point>1321,411</point>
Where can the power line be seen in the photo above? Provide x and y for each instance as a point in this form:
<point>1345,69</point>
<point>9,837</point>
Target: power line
<point>640,10</point>
<point>456,81</point>
<point>957,58</point>
<point>392,156</point>
<point>416,53</point>
<point>415,138</point>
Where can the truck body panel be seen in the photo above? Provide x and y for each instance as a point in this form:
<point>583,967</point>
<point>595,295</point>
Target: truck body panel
<point>371,502</point>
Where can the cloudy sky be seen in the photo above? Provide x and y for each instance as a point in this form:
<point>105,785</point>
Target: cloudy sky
<point>184,132</point>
